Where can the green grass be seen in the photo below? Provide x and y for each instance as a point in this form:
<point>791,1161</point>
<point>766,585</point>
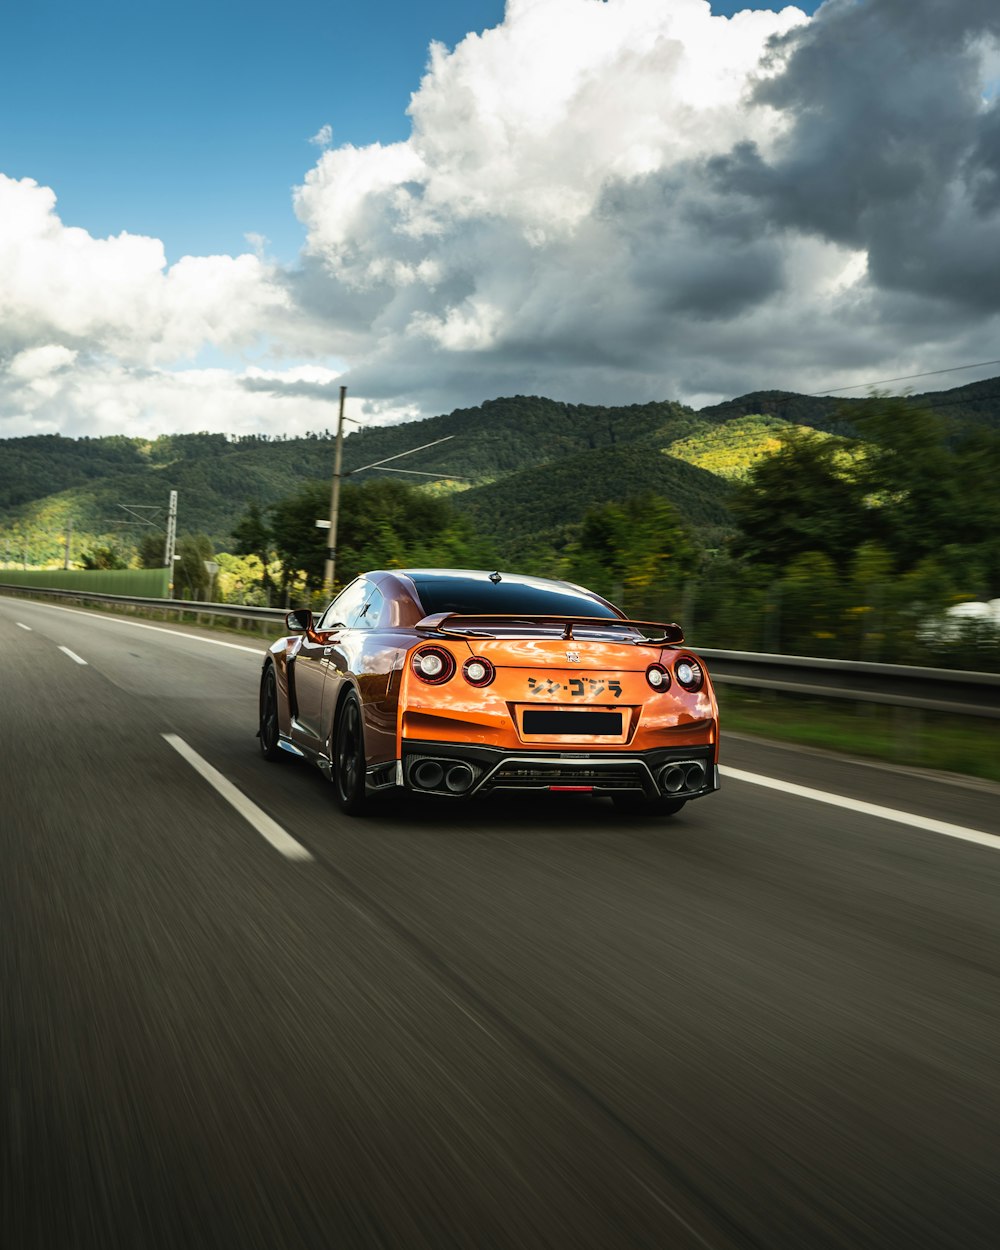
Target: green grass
<point>908,736</point>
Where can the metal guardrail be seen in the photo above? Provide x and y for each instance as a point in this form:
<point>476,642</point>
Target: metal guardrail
<point>953,692</point>
<point>236,612</point>
<point>946,691</point>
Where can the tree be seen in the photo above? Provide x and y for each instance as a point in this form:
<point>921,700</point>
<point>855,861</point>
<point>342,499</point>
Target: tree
<point>191,579</point>
<point>809,606</point>
<point>383,523</point>
<point>152,548</point>
<point>241,579</point>
<point>386,523</point>
<point>638,553</point>
<point>107,556</point>
<point>297,541</point>
<point>910,473</point>
<point>252,537</point>
<point>804,498</point>
<point>978,515</point>
<point>868,612</point>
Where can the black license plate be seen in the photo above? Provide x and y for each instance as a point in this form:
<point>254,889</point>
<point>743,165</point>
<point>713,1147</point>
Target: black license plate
<point>544,721</point>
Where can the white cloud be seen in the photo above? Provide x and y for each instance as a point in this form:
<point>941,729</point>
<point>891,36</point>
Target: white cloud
<point>36,363</point>
<point>600,200</point>
<point>58,284</point>
<point>527,122</point>
<point>471,327</point>
<point>636,199</point>
<point>91,328</point>
<point>323,137</point>
<point>114,399</point>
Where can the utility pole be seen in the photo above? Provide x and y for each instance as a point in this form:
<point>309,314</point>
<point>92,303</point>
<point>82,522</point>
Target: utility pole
<point>69,538</point>
<point>330,570</point>
<point>168,550</point>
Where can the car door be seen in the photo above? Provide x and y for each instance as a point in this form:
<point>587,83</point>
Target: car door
<point>318,657</point>
<point>347,652</point>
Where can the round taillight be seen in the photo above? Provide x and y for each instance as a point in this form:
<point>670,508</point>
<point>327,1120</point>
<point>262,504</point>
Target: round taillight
<point>433,665</point>
<point>658,677</point>
<point>689,673</point>
<point>478,672</point>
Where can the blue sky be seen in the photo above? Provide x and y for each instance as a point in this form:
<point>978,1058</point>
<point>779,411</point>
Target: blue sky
<point>191,121</point>
<point>600,201</point>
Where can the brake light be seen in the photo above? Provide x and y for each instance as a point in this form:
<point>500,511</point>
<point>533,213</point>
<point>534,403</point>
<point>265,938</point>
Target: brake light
<point>689,673</point>
<point>658,677</point>
<point>478,672</point>
<point>433,665</point>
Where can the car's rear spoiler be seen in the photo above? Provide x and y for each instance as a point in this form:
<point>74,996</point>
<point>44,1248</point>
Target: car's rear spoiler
<point>460,625</point>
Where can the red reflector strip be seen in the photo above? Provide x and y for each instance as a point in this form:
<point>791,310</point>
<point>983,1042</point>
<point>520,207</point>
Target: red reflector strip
<point>572,789</point>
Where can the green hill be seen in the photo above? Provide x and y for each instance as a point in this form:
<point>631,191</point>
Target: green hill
<point>541,500</point>
<point>976,404</point>
<point>730,450</point>
<point>215,478</point>
<point>504,436</point>
<point>522,465</point>
<point>47,481</point>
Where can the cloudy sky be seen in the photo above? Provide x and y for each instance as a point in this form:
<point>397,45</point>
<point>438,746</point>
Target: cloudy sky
<point>213,215</point>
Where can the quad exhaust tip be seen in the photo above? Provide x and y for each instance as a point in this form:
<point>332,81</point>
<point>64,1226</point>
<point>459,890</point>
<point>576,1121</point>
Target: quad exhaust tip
<point>459,778</point>
<point>682,777</point>
<point>452,777</point>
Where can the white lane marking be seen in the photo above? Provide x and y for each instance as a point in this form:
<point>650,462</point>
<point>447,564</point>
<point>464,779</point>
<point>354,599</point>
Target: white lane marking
<point>176,633</point>
<point>867,809</point>
<point>249,810</point>
<point>23,626</point>
<point>72,655</point>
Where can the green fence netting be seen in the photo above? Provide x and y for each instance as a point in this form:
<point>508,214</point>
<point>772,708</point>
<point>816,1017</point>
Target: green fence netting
<point>137,583</point>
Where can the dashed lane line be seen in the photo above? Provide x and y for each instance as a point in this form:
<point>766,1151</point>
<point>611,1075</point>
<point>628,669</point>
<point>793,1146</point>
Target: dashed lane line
<point>21,625</point>
<point>265,826</point>
<point>72,655</point>
<point>867,809</point>
<point>160,629</point>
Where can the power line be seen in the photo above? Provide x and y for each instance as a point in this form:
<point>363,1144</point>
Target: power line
<point>833,390</point>
<point>450,477</point>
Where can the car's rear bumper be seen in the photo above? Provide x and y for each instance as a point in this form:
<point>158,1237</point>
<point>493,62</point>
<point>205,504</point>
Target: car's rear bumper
<point>463,770</point>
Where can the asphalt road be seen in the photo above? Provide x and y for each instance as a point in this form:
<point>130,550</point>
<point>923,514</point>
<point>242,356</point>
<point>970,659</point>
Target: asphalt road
<point>769,1022</point>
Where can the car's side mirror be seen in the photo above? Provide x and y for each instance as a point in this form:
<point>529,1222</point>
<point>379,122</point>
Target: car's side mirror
<point>299,622</point>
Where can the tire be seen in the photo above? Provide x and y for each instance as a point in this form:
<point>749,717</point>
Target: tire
<point>267,734</point>
<point>348,757</point>
<point>639,805</point>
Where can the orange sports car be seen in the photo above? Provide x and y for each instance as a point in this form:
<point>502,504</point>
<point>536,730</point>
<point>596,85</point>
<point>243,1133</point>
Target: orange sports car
<point>457,683</point>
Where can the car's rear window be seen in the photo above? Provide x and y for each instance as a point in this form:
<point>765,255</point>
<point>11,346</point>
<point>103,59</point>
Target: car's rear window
<point>505,598</point>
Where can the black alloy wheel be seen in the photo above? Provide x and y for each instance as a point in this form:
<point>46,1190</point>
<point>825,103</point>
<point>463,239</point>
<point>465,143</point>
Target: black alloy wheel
<point>267,734</point>
<point>348,757</point>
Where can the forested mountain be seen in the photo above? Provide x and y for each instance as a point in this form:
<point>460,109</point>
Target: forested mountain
<point>98,480</point>
<point>44,464</point>
<point>521,465</point>
<point>977,404</point>
<point>504,436</point>
<point>46,481</point>
<point>535,503</point>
